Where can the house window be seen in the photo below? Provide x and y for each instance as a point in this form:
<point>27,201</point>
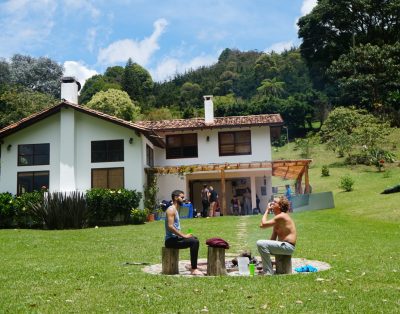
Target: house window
<point>108,151</point>
<point>234,143</point>
<point>181,146</point>
<point>32,181</point>
<point>149,156</point>
<point>108,178</point>
<point>33,154</point>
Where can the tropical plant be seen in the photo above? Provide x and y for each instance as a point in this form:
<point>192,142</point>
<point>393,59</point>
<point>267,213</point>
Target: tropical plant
<point>62,210</point>
<point>150,194</point>
<point>7,210</point>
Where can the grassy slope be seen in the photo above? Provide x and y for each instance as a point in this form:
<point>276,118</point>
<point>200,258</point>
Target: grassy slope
<point>83,271</point>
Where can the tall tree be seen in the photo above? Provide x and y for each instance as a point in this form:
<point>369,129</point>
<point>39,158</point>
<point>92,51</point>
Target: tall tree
<point>137,82</point>
<point>116,103</point>
<point>369,76</point>
<point>17,103</point>
<point>333,27</point>
<point>40,75</point>
<point>94,85</point>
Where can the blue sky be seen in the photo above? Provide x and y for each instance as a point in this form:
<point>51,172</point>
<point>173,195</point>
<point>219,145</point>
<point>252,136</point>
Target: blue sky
<point>164,36</point>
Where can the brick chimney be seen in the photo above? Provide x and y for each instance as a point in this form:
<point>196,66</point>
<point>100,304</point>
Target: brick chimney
<point>69,89</point>
<point>208,109</point>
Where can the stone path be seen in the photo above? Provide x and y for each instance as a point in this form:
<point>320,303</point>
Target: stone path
<point>202,265</point>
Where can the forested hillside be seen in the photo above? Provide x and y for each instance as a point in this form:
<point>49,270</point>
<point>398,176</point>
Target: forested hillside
<point>349,56</point>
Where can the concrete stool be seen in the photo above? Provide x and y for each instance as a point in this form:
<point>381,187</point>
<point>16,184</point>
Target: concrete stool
<point>283,264</point>
<point>216,261</point>
<point>170,261</point>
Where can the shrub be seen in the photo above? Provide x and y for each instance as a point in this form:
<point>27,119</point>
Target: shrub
<point>61,210</point>
<point>138,216</point>
<point>325,171</point>
<point>105,205</point>
<point>7,210</point>
<point>346,183</point>
<point>24,217</point>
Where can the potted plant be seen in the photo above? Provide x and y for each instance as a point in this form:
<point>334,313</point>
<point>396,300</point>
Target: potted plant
<point>150,196</point>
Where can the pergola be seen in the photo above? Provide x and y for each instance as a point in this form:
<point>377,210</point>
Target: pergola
<point>286,169</point>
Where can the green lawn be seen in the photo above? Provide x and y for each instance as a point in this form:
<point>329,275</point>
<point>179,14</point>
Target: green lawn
<point>84,271</point>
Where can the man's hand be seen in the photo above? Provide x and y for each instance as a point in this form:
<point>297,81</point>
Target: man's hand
<point>187,236</point>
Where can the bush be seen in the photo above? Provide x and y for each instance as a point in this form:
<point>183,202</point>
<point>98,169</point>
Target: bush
<point>325,171</point>
<point>105,205</point>
<point>346,183</point>
<point>138,216</point>
<point>24,217</point>
<point>61,210</point>
<point>7,210</point>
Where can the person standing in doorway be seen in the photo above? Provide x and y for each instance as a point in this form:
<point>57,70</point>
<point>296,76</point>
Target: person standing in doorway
<point>235,205</point>
<point>205,200</point>
<point>247,202</point>
<point>213,201</point>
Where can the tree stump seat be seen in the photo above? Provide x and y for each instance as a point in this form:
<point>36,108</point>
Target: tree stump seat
<point>170,261</point>
<point>283,264</point>
<point>216,261</point>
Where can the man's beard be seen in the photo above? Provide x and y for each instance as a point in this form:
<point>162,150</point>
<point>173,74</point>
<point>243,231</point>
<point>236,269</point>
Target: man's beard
<point>179,202</point>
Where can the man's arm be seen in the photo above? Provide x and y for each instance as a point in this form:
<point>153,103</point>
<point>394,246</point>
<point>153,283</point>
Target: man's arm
<point>171,217</point>
<point>265,223</point>
<point>274,235</point>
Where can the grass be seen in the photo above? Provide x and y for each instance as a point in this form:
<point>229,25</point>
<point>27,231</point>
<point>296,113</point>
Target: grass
<point>84,271</point>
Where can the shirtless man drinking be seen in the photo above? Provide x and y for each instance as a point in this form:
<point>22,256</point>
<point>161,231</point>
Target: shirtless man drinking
<point>283,238</point>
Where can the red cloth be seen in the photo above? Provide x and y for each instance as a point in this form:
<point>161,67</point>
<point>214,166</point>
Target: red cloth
<point>217,242</point>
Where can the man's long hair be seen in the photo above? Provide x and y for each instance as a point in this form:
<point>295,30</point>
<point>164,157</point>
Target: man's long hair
<point>283,204</point>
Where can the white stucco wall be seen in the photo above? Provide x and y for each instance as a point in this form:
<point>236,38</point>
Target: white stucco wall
<point>45,131</point>
<point>89,129</point>
<point>208,151</point>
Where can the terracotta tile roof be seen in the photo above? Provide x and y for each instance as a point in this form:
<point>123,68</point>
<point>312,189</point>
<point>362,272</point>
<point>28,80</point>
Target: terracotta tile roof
<point>219,122</point>
<point>25,122</point>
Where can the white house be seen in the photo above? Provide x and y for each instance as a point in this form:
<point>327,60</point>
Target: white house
<point>73,148</point>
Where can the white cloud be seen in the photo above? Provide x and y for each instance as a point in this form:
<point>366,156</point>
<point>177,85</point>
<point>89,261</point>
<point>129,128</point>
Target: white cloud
<point>139,51</point>
<point>82,5</point>
<point>91,34</point>
<point>171,66</point>
<point>307,6</point>
<point>25,24</point>
<point>79,70</point>
<point>280,46</point>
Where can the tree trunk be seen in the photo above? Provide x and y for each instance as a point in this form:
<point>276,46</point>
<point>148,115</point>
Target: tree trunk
<point>170,261</point>
<point>216,261</point>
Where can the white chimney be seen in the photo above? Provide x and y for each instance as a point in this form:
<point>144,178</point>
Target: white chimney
<point>208,109</point>
<point>69,89</point>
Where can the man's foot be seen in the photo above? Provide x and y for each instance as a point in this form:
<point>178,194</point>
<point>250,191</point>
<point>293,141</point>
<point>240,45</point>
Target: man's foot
<point>196,272</point>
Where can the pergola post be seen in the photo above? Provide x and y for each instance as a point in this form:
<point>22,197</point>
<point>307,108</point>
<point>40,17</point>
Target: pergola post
<point>253,192</point>
<point>307,182</point>
<point>223,192</point>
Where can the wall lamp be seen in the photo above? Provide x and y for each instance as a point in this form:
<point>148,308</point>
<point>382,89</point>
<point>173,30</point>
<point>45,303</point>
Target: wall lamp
<point>208,138</point>
<point>9,146</point>
<point>131,140</point>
